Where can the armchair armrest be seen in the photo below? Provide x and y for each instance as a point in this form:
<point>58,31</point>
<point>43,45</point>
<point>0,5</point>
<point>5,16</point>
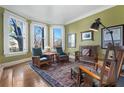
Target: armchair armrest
<point>63,53</point>
<point>89,73</point>
<point>35,56</point>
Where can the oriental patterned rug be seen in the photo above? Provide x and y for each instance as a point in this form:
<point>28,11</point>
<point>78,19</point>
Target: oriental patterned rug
<point>57,74</point>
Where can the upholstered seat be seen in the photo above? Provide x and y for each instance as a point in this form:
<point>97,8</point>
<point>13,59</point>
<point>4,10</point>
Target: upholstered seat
<point>43,59</point>
<point>62,56</point>
<point>38,58</point>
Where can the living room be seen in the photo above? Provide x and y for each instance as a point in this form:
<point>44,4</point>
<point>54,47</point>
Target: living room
<point>61,50</point>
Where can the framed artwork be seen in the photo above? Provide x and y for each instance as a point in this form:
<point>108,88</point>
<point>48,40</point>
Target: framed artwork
<point>72,40</point>
<point>87,35</point>
<point>117,36</point>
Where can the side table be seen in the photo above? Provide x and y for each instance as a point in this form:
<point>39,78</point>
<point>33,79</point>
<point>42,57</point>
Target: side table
<point>51,55</point>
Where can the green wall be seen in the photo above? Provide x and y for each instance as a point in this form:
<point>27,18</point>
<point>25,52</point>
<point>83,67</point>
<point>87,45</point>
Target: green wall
<point>109,17</point>
<point>13,58</point>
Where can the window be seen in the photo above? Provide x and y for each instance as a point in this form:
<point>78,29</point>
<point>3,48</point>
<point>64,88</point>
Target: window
<point>15,34</point>
<point>57,36</point>
<point>39,35</point>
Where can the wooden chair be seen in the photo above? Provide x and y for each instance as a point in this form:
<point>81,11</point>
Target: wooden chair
<point>103,75</point>
<point>61,56</point>
<point>87,54</point>
<point>39,58</point>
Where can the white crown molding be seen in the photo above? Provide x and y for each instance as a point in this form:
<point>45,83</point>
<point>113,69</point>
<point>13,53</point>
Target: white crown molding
<point>90,13</point>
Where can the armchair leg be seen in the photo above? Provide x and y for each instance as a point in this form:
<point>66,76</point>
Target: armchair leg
<point>36,61</point>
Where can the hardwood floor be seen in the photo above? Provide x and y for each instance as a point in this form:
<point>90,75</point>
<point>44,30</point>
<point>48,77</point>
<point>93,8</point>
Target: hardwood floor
<point>21,76</point>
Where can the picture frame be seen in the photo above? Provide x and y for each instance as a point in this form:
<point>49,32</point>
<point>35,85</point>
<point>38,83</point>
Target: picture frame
<point>87,35</point>
<point>118,36</point>
<point>71,40</point>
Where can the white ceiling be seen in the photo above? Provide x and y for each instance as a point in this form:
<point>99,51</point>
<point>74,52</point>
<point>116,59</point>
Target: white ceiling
<point>56,14</point>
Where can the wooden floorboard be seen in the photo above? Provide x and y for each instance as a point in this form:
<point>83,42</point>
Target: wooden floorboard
<point>21,76</point>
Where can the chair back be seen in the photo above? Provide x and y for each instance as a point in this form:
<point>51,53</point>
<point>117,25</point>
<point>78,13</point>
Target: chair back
<point>36,51</point>
<point>59,50</point>
<point>114,69</point>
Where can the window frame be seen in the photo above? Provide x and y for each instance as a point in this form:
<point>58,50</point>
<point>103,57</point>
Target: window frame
<point>63,35</point>
<point>45,33</point>
<point>6,16</point>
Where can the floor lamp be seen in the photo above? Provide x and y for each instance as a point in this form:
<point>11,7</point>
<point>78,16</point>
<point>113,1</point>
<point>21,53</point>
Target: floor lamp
<point>95,27</point>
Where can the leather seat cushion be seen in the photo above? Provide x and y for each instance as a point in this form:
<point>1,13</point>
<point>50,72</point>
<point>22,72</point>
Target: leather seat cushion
<point>43,59</point>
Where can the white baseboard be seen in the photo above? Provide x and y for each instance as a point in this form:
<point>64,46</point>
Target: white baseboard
<point>1,71</point>
<point>8,64</point>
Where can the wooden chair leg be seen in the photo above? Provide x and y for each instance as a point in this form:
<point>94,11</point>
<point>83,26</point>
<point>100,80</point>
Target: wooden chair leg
<point>79,78</point>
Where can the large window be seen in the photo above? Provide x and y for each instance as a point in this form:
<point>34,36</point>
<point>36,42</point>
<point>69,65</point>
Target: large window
<point>57,36</point>
<point>15,34</point>
<point>39,35</point>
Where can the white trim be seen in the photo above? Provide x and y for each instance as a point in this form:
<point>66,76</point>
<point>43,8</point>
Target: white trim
<point>1,71</point>
<point>45,33</point>
<point>14,15</point>
<point>63,35</point>
<point>90,13</point>
<point>7,14</point>
<point>8,64</point>
<point>15,54</point>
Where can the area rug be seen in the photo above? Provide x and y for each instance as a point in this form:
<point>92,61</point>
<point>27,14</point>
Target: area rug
<point>57,74</point>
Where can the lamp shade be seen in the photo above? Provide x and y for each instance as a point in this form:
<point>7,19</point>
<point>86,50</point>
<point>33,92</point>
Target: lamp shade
<point>95,25</point>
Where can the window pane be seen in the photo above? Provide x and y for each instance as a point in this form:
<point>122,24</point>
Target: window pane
<point>38,36</point>
<point>57,37</point>
<point>15,35</point>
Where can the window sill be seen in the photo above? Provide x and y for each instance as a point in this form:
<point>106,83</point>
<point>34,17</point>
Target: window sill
<point>15,54</point>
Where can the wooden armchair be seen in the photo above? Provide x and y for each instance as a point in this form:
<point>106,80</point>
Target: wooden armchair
<point>103,75</point>
<point>87,54</point>
<point>61,56</point>
<point>38,58</point>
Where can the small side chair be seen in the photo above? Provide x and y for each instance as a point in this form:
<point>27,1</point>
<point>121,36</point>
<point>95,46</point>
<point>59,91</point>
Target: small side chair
<point>38,58</point>
<point>61,56</point>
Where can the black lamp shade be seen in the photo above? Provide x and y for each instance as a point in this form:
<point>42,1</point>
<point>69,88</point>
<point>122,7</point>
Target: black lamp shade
<point>95,26</point>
